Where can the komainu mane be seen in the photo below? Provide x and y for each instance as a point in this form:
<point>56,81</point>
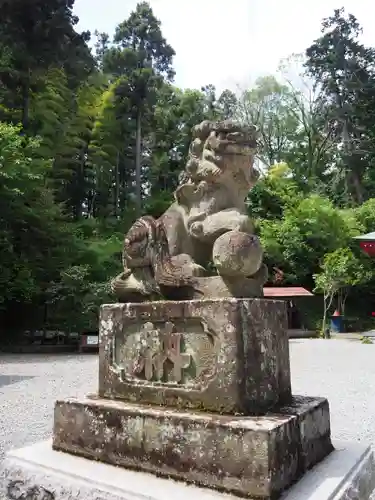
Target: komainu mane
<point>207,222</point>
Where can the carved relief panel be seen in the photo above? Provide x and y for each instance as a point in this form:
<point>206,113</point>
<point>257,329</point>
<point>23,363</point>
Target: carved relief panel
<point>182,352</point>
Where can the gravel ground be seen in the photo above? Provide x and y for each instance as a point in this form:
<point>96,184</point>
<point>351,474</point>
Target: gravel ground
<point>29,386</point>
<point>341,370</point>
<point>344,372</point>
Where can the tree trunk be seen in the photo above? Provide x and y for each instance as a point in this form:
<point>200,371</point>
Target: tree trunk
<point>138,181</point>
<point>353,176</point>
<point>81,193</point>
<point>328,298</point>
<point>344,296</point>
<point>357,187</point>
<point>324,321</point>
<point>117,187</point>
<point>25,105</point>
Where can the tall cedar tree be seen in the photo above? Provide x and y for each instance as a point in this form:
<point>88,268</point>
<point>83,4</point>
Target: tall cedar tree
<point>142,58</point>
<point>345,70</point>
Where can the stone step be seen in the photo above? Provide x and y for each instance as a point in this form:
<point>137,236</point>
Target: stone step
<point>38,471</point>
<point>251,456</point>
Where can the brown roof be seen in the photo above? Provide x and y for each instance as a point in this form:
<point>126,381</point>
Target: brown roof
<point>288,291</point>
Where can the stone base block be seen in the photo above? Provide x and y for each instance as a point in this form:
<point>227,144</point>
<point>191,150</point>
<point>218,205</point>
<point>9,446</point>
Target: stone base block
<point>39,472</point>
<point>224,355</point>
<point>256,457</point>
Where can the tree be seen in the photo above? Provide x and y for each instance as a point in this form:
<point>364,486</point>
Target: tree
<point>175,114</point>
<point>275,192</point>
<point>268,106</point>
<point>344,69</point>
<point>108,158</point>
<point>101,46</point>
<point>312,154</point>
<point>308,230</point>
<point>72,173</point>
<point>341,269</point>
<point>142,58</point>
<point>365,216</point>
<point>34,36</point>
<point>35,243</point>
<point>227,105</point>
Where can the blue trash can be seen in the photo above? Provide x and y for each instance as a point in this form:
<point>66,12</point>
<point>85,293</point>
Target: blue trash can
<point>337,324</point>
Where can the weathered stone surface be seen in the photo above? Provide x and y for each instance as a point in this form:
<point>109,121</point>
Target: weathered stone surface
<point>237,254</point>
<point>229,355</point>
<point>220,287</point>
<point>314,421</point>
<point>253,456</point>
<point>209,202</point>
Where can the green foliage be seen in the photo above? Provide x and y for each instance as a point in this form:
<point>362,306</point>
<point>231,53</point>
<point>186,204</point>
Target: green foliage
<point>365,216</point>
<point>366,340</point>
<point>344,69</point>
<point>298,242</point>
<point>227,105</point>
<point>33,236</point>
<point>269,106</point>
<point>141,59</point>
<point>340,269</point>
<point>175,114</point>
<point>274,193</point>
<point>34,36</point>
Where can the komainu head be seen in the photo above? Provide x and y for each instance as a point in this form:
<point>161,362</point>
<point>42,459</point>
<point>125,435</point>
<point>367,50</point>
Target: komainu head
<point>217,147</point>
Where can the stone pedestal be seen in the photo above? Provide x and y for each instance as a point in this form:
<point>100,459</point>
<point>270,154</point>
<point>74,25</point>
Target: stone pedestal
<point>223,355</point>
<point>198,391</point>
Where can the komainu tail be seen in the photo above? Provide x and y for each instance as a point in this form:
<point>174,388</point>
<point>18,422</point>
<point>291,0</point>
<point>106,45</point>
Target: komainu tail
<point>166,272</point>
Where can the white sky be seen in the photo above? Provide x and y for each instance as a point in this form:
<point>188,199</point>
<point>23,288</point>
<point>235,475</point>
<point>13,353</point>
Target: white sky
<point>229,43</point>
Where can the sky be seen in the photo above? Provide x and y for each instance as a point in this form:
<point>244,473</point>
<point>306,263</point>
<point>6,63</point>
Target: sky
<point>229,43</point>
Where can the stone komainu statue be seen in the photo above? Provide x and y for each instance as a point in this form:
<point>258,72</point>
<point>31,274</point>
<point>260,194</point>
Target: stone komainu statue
<point>208,222</point>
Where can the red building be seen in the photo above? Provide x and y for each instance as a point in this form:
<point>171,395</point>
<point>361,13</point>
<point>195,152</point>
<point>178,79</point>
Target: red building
<point>367,243</point>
